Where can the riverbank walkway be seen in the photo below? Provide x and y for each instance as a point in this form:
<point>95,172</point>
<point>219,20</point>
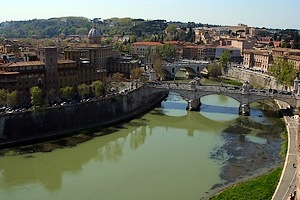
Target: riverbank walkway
<point>287,182</point>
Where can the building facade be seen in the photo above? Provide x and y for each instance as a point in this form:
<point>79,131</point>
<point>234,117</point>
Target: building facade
<point>235,53</point>
<point>123,65</point>
<point>80,65</point>
<point>141,47</point>
<point>263,59</point>
<point>257,59</point>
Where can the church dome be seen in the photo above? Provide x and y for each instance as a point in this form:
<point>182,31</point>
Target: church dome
<point>94,33</point>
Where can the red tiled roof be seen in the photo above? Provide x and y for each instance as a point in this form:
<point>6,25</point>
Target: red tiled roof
<point>172,42</point>
<point>285,49</point>
<point>23,64</point>
<point>147,43</point>
<point>260,52</point>
<point>292,57</point>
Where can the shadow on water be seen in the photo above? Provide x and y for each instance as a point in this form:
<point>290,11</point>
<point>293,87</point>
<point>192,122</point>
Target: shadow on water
<point>219,109</point>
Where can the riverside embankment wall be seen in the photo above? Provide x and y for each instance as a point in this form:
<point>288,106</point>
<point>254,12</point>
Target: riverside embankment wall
<point>53,122</point>
<point>257,78</point>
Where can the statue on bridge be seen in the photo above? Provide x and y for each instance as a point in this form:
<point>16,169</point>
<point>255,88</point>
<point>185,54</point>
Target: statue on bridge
<point>246,88</point>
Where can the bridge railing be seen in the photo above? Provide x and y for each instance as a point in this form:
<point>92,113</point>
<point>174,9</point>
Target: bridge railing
<point>217,89</point>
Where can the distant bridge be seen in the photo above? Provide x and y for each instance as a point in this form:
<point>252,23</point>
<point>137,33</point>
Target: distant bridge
<point>189,65</point>
<point>193,92</point>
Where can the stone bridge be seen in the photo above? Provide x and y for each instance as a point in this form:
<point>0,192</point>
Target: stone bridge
<point>193,92</point>
<point>189,65</point>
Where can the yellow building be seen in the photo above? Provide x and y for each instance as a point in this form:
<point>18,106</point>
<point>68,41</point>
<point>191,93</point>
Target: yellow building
<point>257,59</point>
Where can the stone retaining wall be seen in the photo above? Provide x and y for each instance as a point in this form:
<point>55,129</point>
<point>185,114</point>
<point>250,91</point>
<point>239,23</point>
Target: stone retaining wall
<point>257,78</point>
<point>51,122</point>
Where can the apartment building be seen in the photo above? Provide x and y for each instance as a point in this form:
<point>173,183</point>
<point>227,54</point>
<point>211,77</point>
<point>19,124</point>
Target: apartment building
<point>190,52</point>
<point>123,65</point>
<point>91,61</point>
<point>81,65</point>
<point>295,60</point>
<point>257,59</point>
<point>21,76</point>
<point>141,47</point>
<point>201,52</point>
<point>285,52</point>
<point>207,52</point>
<point>240,43</point>
<point>262,59</point>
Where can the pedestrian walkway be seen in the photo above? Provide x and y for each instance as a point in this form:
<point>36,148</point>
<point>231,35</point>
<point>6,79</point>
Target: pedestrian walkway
<point>287,183</point>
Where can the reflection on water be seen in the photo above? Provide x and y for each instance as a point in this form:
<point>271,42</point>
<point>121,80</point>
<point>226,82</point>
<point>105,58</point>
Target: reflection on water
<point>163,155</point>
<point>256,139</point>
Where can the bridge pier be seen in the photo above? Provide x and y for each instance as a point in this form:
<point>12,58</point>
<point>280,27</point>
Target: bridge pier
<point>244,109</point>
<point>194,105</point>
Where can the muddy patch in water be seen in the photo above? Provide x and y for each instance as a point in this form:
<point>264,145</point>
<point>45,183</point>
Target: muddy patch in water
<point>249,147</point>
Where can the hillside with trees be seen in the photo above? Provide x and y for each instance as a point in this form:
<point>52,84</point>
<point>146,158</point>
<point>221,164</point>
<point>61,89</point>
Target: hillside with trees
<point>137,29</point>
<point>53,27</point>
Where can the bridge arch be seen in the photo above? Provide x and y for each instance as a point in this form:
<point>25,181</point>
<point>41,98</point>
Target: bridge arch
<point>194,66</point>
<point>290,102</point>
<point>218,93</point>
<point>184,72</point>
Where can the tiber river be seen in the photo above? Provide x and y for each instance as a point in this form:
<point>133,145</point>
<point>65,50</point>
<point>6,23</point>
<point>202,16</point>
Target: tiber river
<point>168,153</point>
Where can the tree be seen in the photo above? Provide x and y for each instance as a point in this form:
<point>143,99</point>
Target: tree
<point>36,96</point>
<point>283,44</point>
<point>48,43</point>
<point>158,67</point>
<point>97,87</point>
<point>51,95</point>
<point>288,45</point>
<point>147,53</point>
<point>296,41</point>
<point>136,73</point>
<point>167,52</point>
<point>284,71</point>
<point>12,98</point>
<point>225,59</point>
<point>81,31</point>
<point>214,70</point>
<point>83,89</point>
<point>190,36</point>
<point>2,97</point>
<point>153,38</point>
<point>127,49</point>
<point>66,92</point>
<point>172,31</point>
<point>118,77</point>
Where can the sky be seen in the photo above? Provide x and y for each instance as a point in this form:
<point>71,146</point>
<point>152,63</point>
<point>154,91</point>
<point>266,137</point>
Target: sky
<point>281,14</point>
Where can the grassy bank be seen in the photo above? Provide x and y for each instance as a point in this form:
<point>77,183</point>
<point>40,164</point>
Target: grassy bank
<point>284,145</point>
<point>218,81</point>
<point>262,187</point>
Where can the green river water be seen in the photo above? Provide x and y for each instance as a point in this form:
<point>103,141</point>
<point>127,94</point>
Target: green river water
<point>168,153</point>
